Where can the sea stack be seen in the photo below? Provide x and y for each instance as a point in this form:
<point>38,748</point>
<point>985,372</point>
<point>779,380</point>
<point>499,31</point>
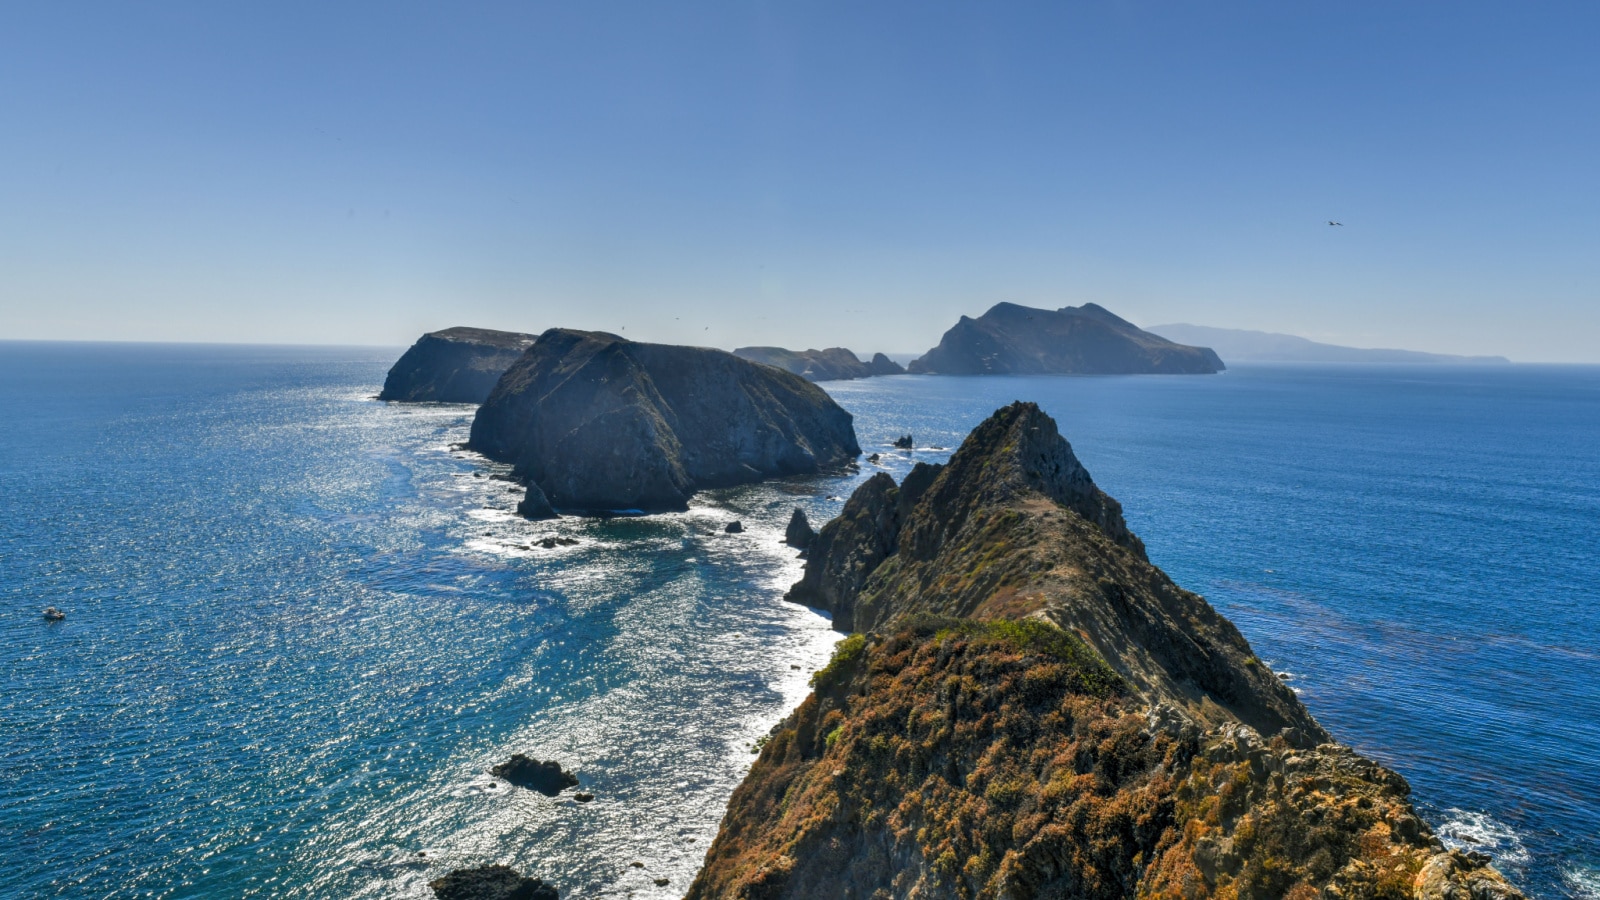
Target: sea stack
<point>1074,340</point>
<point>598,423</point>
<point>456,365</point>
<point>1028,708</point>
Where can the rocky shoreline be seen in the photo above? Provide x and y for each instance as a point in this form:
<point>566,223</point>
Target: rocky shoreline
<point>1028,708</point>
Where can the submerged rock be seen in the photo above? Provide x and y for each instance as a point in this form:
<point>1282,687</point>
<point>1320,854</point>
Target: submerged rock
<point>799,533</point>
<point>547,778</point>
<point>1074,340</point>
<point>603,424</point>
<point>491,883</point>
<point>456,365</point>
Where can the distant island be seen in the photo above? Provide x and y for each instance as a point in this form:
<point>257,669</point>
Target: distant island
<point>1028,708</point>
<point>1074,340</point>
<point>832,364</point>
<point>594,422</point>
<point>456,365</point>
<point>1239,345</point>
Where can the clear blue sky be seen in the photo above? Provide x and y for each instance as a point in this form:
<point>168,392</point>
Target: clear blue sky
<point>806,174</point>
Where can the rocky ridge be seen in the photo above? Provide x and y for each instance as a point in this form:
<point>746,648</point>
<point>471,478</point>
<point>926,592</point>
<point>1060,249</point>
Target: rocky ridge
<point>456,365</point>
<point>832,364</point>
<point>1073,340</point>
<point>1028,708</point>
<point>594,422</point>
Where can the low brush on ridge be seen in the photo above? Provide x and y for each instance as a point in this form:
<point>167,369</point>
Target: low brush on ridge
<point>1030,709</point>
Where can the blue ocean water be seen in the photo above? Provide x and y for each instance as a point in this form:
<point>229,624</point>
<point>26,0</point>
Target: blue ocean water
<point>301,626</point>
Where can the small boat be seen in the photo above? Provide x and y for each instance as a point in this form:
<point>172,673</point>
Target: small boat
<point>52,614</point>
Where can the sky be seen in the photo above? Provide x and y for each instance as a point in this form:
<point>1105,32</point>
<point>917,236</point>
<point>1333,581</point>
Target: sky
<point>803,174</point>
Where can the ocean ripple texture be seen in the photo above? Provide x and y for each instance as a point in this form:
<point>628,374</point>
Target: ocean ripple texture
<point>302,625</point>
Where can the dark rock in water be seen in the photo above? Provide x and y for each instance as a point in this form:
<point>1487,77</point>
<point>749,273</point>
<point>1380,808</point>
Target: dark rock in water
<point>833,364</point>
<point>547,778</point>
<point>799,533</point>
<point>734,527</point>
<point>51,614</point>
<point>636,864</point>
<point>583,797</point>
<point>903,442</point>
<point>600,423</point>
<point>661,882</point>
<point>873,458</point>
<point>491,883</point>
<point>883,365</point>
<point>457,365</point>
<point>548,543</point>
<point>535,505</point>
<point>567,542</point>
<point>1082,340</point>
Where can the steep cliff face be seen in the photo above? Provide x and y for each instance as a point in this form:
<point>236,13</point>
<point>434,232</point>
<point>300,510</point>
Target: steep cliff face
<point>832,364</point>
<point>456,365</point>
<point>1030,709</point>
<point>1083,340</point>
<point>595,422</point>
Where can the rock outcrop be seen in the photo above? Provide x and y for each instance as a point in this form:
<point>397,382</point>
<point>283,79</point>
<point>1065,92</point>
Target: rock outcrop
<point>832,364</point>
<point>1074,340</point>
<point>491,883</point>
<point>595,422</point>
<point>799,533</point>
<point>546,777</point>
<point>1030,709</point>
<point>456,365</point>
<point>883,365</point>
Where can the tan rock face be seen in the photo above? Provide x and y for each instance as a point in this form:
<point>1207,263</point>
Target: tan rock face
<point>1030,709</point>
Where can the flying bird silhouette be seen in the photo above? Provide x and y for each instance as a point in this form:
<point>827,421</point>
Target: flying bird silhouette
<point>1332,222</point>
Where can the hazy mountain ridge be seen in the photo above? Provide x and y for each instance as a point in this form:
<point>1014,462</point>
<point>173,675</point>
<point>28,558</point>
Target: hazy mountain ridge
<point>1243,345</point>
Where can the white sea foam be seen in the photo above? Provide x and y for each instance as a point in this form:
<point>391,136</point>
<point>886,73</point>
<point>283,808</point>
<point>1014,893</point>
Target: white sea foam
<point>1584,883</point>
<point>1481,832</point>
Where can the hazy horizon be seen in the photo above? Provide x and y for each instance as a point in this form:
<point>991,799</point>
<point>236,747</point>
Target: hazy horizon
<point>738,174</point>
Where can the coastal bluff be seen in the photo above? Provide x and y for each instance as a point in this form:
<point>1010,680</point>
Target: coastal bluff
<point>593,422</point>
<point>1028,708</point>
<point>1074,340</point>
<point>832,364</point>
<point>456,365</point>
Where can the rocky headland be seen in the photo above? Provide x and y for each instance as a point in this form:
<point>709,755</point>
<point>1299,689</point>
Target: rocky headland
<point>1074,340</point>
<point>456,365</point>
<point>832,364</point>
<point>593,422</point>
<point>1028,708</point>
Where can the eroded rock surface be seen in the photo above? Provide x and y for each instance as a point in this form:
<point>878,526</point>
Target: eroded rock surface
<point>1030,709</point>
<point>599,423</point>
<point>456,365</point>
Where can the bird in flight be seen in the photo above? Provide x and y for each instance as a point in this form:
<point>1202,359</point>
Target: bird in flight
<point>1332,222</point>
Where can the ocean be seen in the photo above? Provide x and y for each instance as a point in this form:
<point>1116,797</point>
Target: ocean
<point>302,625</point>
